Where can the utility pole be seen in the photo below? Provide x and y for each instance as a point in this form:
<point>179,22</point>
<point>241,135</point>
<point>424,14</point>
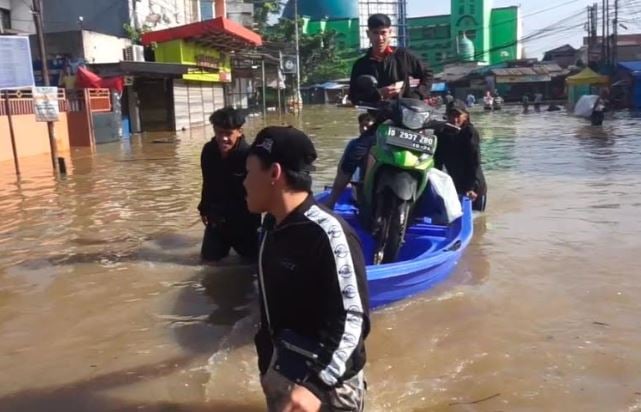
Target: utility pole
<point>278,74</point>
<point>297,98</point>
<point>607,32</point>
<point>37,18</point>
<point>588,28</point>
<point>603,25</point>
<point>615,33</point>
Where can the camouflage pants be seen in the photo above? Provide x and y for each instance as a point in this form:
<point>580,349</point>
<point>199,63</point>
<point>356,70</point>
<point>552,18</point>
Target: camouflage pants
<point>349,397</point>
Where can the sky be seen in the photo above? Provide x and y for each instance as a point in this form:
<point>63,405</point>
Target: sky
<point>535,18</point>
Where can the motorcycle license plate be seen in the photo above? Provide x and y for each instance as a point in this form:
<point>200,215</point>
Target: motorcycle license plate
<point>407,139</point>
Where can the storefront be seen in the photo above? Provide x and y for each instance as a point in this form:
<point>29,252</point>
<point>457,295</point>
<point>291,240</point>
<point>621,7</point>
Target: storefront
<point>206,49</point>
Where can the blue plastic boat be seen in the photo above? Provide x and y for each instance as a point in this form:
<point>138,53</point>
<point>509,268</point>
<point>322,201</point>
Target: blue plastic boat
<point>428,256</point>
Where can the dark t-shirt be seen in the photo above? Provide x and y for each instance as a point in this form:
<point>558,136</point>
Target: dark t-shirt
<point>223,193</point>
<point>398,66</point>
<point>460,153</point>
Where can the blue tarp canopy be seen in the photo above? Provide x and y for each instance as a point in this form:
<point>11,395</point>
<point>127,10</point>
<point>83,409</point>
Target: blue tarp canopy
<point>439,87</point>
<point>633,66</point>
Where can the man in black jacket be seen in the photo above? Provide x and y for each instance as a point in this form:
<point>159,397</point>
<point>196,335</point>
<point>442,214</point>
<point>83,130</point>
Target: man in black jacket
<point>459,152</point>
<point>313,287</point>
<point>223,208</point>
<point>392,69</point>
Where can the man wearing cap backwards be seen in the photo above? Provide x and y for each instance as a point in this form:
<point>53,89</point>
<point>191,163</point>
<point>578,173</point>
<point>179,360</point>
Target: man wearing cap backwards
<point>313,287</point>
<point>392,69</point>
<point>223,208</point>
<point>459,152</point>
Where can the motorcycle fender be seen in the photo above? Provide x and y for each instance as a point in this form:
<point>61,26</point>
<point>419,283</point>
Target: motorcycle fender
<point>402,184</point>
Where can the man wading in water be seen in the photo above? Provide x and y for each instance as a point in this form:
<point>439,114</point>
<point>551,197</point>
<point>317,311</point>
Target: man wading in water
<point>313,288</point>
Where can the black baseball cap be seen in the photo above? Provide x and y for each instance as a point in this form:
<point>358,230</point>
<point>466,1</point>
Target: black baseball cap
<point>287,146</point>
<point>457,106</point>
<point>377,21</point>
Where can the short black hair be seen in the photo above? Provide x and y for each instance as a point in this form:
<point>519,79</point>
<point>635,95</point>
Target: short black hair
<point>296,181</point>
<point>377,21</point>
<point>227,118</point>
<point>365,117</point>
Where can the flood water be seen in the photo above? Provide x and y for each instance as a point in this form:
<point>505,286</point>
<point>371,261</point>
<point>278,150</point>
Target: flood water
<point>104,306</point>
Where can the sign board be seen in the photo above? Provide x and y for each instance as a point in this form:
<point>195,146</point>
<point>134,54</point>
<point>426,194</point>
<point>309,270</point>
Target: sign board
<point>289,64</point>
<point>208,62</point>
<point>45,104</point>
<point>16,70</point>
<point>540,78</point>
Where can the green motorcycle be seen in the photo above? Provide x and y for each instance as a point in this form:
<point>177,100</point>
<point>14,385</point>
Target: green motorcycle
<point>397,169</point>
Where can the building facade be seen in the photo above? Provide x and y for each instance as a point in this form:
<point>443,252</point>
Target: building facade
<point>474,32</point>
<point>16,17</point>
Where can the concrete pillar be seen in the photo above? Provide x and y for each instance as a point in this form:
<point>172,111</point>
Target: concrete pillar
<point>220,8</point>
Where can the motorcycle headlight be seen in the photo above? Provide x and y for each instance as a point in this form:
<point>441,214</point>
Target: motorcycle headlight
<point>414,120</point>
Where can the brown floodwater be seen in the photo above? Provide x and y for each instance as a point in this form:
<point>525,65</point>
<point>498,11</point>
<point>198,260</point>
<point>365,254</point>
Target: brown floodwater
<point>105,307</point>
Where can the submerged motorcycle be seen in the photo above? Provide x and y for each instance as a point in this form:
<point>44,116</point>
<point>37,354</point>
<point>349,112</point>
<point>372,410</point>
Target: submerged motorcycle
<point>397,168</point>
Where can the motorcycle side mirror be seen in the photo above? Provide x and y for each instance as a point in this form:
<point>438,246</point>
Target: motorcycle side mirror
<point>367,83</point>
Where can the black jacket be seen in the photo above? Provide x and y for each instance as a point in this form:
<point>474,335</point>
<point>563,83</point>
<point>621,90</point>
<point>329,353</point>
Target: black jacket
<point>223,193</point>
<point>460,153</point>
<point>400,65</point>
<point>312,274</point>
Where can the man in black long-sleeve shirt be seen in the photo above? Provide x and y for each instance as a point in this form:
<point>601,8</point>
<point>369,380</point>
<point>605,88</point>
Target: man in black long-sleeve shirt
<point>223,207</point>
<point>312,283</point>
<point>392,69</point>
<point>459,152</point>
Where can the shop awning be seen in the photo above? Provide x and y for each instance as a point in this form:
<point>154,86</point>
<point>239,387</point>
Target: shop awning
<point>633,66</point>
<point>587,77</point>
<point>151,69</point>
<point>522,75</point>
<point>219,33</point>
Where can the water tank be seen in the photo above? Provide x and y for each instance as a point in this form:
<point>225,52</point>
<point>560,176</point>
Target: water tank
<point>466,48</point>
<point>316,9</point>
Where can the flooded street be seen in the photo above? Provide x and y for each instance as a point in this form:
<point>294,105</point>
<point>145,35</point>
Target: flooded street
<point>104,306</point>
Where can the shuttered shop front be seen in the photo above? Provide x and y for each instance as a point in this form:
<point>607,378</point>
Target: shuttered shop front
<point>195,102</point>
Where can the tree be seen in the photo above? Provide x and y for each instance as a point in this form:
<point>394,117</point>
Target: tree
<point>263,9</point>
<point>319,57</point>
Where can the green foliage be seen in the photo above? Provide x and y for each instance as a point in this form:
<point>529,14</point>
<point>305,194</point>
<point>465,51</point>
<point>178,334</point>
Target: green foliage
<point>263,9</point>
<point>134,34</point>
<point>320,58</point>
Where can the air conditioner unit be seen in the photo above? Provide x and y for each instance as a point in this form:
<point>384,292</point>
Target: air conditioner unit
<point>135,53</point>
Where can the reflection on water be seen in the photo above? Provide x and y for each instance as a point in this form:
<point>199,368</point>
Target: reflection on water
<point>103,300</point>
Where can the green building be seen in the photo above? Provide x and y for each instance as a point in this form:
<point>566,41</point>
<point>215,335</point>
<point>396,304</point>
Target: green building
<point>473,32</point>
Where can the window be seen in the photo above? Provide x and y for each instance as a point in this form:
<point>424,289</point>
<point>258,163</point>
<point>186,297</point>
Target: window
<point>206,10</point>
<point>429,33</point>
<point>443,32</point>
<point>461,10</point>
<point>6,18</point>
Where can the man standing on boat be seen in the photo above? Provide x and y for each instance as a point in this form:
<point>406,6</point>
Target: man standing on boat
<point>392,68</point>
<point>313,287</point>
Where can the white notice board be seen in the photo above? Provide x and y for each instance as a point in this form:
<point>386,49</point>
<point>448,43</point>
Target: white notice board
<point>45,104</point>
<point>16,67</point>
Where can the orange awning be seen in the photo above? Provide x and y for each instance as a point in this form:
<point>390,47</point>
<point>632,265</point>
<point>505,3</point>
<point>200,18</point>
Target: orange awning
<point>219,33</point>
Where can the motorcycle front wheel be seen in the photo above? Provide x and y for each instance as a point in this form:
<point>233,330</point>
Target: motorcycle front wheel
<point>392,222</point>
